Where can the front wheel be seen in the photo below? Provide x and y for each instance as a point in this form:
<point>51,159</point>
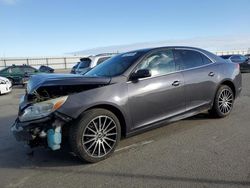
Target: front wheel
<point>223,102</point>
<point>95,135</point>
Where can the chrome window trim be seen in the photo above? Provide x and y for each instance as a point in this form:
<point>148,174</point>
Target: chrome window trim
<point>179,71</point>
<point>196,51</point>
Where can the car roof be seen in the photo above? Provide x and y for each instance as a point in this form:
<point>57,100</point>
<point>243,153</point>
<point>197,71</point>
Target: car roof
<point>20,66</point>
<point>211,55</point>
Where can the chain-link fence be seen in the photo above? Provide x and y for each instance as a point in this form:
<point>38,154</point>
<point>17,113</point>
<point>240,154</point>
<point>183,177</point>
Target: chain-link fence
<point>54,62</point>
<point>242,52</point>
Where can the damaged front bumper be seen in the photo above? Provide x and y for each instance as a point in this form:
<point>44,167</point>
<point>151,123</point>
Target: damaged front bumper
<point>43,132</point>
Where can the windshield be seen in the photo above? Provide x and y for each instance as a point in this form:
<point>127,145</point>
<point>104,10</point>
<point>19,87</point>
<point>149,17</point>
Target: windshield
<point>115,66</point>
<point>84,63</point>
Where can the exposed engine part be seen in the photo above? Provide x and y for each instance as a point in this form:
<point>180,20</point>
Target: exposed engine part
<point>42,134</point>
<point>51,92</point>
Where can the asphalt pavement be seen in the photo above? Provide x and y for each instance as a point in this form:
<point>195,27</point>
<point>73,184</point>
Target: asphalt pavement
<point>195,152</point>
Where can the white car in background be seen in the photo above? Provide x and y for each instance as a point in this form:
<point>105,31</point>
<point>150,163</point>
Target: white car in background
<point>88,63</point>
<point>5,85</point>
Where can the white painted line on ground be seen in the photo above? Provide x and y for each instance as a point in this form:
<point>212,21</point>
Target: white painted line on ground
<point>135,145</point>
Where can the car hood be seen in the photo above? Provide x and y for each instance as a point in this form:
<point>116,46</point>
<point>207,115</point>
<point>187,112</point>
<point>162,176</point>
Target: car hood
<point>39,80</point>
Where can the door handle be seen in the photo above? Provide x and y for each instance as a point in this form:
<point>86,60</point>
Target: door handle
<point>211,74</point>
<point>176,83</point>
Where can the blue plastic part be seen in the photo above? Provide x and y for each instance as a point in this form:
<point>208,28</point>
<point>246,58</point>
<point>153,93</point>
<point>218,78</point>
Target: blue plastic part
<point>54,138</point>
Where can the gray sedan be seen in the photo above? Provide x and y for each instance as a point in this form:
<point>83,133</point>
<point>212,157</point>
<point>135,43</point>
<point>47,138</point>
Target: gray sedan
<point>127,94</point>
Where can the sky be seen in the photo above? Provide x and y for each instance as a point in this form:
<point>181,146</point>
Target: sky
<point>57,27</point>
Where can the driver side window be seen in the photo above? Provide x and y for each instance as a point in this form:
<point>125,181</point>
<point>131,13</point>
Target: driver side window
<point>158,63</point>
<point>29,70</point>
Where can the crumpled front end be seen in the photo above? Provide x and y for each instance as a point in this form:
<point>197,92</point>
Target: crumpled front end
<point>39,122</point>
<point>46,131</point>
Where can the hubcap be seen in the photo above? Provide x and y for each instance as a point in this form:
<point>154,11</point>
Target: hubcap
<point>99,136</point>
<point>225,101</point>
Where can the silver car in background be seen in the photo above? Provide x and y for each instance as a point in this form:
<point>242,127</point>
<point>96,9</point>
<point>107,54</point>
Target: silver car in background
<point>88,63</point>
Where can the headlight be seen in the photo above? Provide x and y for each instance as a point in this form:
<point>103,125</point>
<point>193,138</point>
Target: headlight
<point>42,109</point>
<point>2,82</point>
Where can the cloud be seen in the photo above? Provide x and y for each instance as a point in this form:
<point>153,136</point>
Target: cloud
<point>214,44</point>
<point>9,2</point>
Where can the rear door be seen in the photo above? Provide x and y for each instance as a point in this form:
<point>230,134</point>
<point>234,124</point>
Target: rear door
<point>17,74</point>
<point>159,96</point>
<point>199,73</point>
<point>29,70</point>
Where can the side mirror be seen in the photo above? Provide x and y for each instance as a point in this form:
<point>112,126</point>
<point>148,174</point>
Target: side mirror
<point>142,73</point>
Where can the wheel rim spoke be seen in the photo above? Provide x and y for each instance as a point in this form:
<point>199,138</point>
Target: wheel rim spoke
<point>91,146</point>
<point>100,123</point>
<point>104,141</point>
<point>94,148</point>
<point>95,126</point>
<point>104,123</point>
<point>107,138</point>
<point>89,135</point>
<point>104,129</point>
<point>103,147</point>
<point>99,136</point>
<point>91,130</point>
<point>110,129</point>
<point>91,140</point>
<point>111,134</point>
<point>99,148</point>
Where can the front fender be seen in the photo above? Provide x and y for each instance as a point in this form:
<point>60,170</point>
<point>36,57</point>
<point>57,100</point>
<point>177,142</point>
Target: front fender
<point>115,95</point>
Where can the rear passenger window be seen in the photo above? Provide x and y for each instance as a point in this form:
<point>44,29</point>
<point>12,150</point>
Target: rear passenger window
<point>206,60</point>
<point>29,70</point>
<point>186,59</point>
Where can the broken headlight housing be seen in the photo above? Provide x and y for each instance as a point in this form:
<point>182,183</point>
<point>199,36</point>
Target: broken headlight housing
<point>42,109</point>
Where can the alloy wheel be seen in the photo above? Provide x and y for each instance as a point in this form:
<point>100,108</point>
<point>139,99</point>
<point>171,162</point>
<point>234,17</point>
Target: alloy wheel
<point>99,136</point>
<point>225,101</point>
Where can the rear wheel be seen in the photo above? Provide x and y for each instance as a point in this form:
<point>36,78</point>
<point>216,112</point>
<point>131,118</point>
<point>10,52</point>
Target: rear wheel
<point>95,135</point>
<point>223,102</point>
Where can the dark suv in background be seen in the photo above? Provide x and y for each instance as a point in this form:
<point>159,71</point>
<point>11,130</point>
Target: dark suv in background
<point>242,60</point>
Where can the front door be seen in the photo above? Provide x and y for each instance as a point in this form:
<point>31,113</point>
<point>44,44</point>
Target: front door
<point>157,97</point>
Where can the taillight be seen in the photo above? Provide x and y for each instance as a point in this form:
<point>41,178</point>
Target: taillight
<point>238,66</point>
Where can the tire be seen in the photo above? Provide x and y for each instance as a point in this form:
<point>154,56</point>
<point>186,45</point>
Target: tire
<point>223,102</point>
<point>90,142</point>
